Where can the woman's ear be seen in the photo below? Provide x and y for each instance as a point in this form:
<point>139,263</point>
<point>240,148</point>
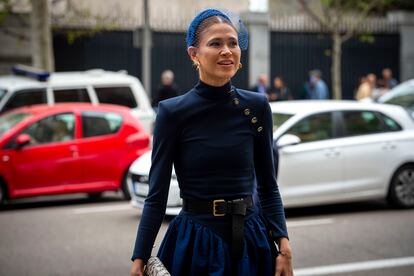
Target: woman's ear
<point>192,52</point>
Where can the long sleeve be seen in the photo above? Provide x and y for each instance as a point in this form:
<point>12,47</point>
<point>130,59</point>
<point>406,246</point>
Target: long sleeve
<point>159,182</point>
<point>269,196</point>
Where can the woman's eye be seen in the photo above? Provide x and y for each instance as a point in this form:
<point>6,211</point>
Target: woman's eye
<point>215,44</point>
<point>233,44</point>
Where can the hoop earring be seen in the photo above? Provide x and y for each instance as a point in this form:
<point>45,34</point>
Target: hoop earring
<point>240,66</point>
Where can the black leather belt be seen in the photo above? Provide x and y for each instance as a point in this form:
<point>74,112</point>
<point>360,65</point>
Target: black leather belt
<point>219,208</point>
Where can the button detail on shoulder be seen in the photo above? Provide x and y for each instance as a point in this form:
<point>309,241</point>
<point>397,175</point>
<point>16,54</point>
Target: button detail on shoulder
<point>259,129</point>
<point>254,120</point>
<point>247,112</point>
<point>236,101</point>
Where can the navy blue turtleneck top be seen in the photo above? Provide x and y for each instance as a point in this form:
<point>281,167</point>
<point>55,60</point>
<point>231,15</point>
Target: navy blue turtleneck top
<point>219,139</point>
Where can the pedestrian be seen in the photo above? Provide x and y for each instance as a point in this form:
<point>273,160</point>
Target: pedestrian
<point>167,89</point>
<point>262,85</point>
<point>219,139</point>
<point>387,79</point>
<point>279,92</point>
<point>319,89</point>
<point>367,90</point>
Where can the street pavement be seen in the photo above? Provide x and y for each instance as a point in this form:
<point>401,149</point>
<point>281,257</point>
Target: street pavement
<point>71,235</point>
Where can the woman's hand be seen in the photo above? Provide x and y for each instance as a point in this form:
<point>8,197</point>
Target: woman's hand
<point>137,268</point>
<point>284,259</point>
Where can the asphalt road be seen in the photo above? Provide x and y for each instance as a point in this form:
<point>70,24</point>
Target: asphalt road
<point>70,235</point>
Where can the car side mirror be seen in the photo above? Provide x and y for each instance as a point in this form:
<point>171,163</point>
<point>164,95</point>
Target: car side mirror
<point>22,140</point>
<point>288,140</point>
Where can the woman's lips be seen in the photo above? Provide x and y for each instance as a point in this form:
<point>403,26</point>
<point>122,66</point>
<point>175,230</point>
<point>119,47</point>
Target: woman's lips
<point>226,63</point>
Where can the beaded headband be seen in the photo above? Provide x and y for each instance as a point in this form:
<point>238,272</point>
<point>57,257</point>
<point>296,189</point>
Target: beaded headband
<point>243,38</point>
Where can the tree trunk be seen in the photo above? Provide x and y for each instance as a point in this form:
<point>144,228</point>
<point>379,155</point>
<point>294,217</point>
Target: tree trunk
<point>336,66</point>
<point>42,48</point>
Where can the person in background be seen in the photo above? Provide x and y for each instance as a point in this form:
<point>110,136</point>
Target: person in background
<point>279,92</point>
<point>387,80</point>
<point>220,140</point>
<point>262,85</point>
<point>368,90</point>
<point>167,89</point>
<point>319,89</point>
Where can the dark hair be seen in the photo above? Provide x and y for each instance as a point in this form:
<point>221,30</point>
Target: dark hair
<point>207,23</point>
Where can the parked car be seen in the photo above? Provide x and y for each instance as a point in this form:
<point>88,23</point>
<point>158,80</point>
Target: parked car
<point>402,94</point>
<point>29,86</point>
<point>68,148</point>
<point>329,152</point>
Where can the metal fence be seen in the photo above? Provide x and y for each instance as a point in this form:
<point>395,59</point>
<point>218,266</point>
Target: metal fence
<point>293,54</point>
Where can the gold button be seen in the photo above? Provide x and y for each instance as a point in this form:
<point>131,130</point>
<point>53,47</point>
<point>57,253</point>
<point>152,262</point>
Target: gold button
<point>236,101</point>
<point>254,120</point>
<point>247,112</point>
<point>259,129</point>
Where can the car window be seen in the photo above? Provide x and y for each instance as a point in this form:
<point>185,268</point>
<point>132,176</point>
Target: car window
<point>279,119</point>
<point>402,95</point>
<point>390,123</point>
<point>8,121</point>
<point>100,123</point>
<point>26,97</point>
<point>71,95</point>
<point>56,128</point>
<point>313,128</point>
<point>403,100</point>
<point>362,122</point>
<point>2,93</point>
<point>116,95</point>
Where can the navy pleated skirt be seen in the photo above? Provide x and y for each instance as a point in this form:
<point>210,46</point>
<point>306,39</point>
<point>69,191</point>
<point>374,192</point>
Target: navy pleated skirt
<point>200,245</point>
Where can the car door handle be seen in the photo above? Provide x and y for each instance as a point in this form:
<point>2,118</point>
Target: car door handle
<point>332,153</point>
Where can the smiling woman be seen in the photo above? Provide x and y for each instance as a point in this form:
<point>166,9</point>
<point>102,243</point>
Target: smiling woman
<point>219,139</point>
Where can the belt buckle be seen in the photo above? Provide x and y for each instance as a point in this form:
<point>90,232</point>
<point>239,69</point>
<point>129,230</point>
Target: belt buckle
<point>215,202</point>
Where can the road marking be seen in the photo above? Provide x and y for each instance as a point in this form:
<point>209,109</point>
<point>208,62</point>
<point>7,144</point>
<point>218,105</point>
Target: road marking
<point>352,267</point>
<point>102,209</point>
<point>309,222</point>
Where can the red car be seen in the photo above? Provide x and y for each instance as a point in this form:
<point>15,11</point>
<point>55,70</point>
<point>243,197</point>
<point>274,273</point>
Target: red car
<point>67,148</point>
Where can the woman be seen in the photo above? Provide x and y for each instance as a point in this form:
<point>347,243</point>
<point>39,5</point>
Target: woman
<point>220,140</point>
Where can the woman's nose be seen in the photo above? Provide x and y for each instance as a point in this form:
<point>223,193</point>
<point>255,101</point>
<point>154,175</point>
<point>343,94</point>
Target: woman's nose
<point>225,51</point>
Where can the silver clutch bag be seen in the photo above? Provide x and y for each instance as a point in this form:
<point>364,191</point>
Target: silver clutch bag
<point>155,267</point>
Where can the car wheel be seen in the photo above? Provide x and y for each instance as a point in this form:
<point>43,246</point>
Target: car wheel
<point>124,188</point>
<point>401,193</point>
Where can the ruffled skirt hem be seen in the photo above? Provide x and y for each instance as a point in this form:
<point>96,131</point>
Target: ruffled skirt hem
<point>192,248</point>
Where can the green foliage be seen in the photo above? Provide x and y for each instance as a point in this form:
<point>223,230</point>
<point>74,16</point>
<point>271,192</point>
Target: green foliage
<point>381,6</point>
<point>366,38</point>
<point>5,10</point>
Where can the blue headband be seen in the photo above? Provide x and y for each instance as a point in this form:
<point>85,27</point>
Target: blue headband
<point>192,29</point>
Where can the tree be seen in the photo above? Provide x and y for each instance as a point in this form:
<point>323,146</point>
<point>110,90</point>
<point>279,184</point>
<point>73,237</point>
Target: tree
<point>332,20</point>
<point>40,25</point>
<point>42,45</point>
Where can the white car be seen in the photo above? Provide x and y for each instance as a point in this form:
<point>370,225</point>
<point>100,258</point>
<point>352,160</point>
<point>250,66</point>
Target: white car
<point>29,86</point>
<point>402,94</point>
<point>329,152</point>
